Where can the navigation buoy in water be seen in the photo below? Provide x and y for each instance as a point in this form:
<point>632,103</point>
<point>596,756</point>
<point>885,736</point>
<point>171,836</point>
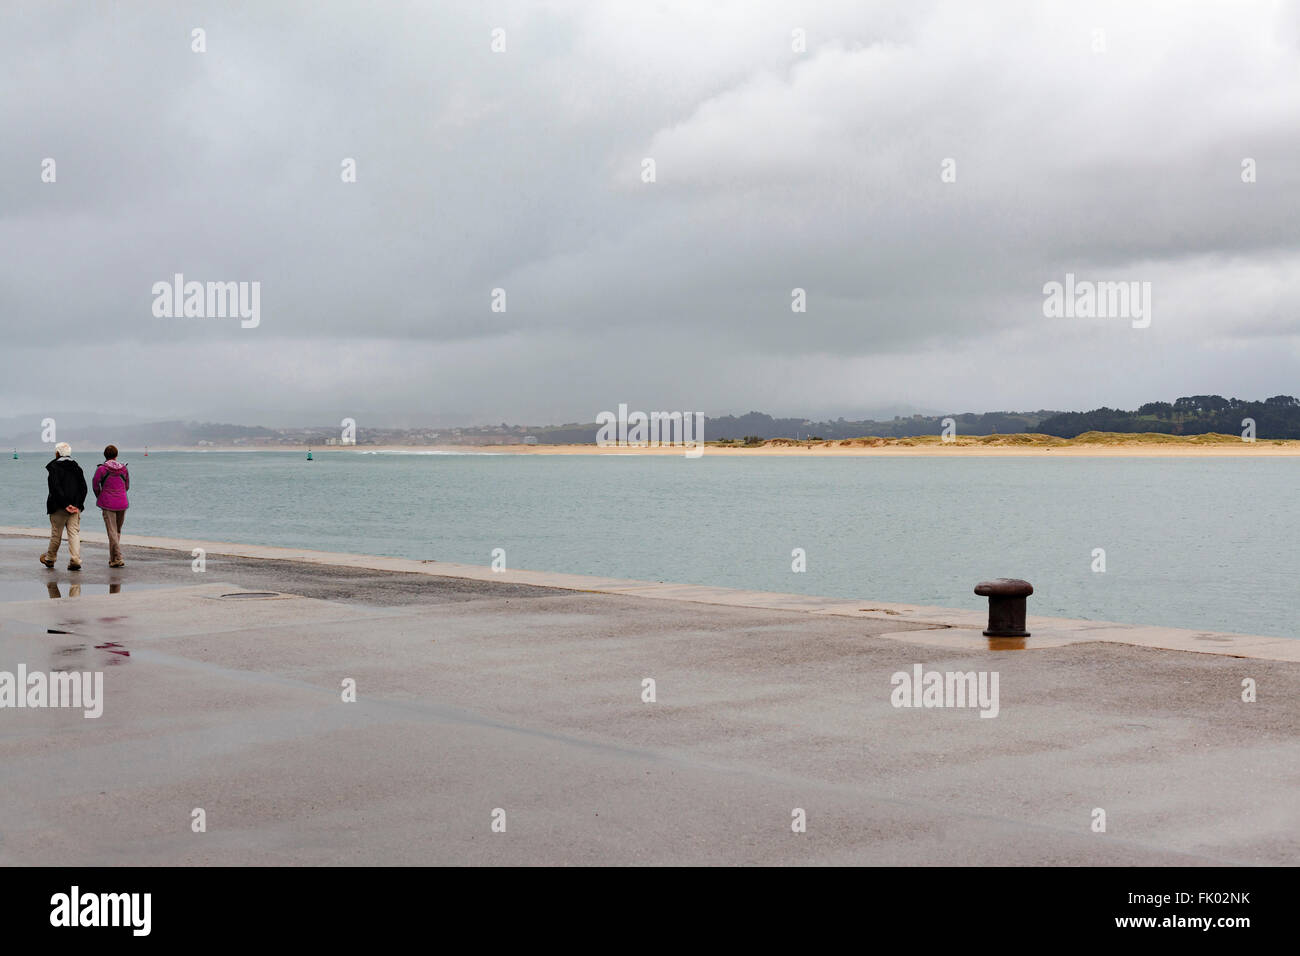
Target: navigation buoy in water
<point>309,454</point>
<point>15,454</point>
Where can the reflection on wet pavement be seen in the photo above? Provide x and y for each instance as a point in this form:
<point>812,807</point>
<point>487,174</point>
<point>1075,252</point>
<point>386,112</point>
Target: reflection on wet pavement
<point>74,590</point>
<point>23,579</point>
<point>56,589</point>
<point>112,647</point>
<point>78,657</point>
<point>58,650</point>
<point>1006,643</point>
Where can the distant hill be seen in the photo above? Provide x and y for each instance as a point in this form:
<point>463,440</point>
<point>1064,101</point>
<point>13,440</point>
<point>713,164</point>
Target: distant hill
<point>92,435</point>
<point>178,434</point>
<point>1276,417</point>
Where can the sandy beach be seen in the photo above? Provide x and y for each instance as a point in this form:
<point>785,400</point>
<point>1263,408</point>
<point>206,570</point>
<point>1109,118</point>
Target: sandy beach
<point>922,449</point>
<point>995,446</point>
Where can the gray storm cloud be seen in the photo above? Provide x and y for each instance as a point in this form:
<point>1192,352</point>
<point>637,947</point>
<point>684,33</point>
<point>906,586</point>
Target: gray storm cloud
<point>521,170</point>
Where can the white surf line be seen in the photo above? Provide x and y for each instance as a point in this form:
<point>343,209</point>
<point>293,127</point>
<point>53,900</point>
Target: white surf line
<point>942,627</point>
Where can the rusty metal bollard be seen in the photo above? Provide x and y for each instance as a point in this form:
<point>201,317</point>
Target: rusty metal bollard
<point>1006,606</point>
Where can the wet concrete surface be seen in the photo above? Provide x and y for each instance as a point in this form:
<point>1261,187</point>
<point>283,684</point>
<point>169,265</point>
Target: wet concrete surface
<point>150,568</point>
<point>474,696</point>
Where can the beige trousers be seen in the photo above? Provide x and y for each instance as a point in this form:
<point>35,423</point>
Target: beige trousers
<point>113,525</point>
<point>58,522</point>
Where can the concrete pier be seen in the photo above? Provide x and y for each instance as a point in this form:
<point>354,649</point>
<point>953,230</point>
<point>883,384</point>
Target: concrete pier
<point>525,693</point>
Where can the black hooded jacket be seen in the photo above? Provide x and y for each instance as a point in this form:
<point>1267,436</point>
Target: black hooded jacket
<point>67,485</point>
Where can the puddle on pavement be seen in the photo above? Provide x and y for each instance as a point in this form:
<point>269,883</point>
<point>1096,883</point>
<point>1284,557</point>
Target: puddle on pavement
<point>83,656</point>
<point>66,649</point>
<point>57,589</point>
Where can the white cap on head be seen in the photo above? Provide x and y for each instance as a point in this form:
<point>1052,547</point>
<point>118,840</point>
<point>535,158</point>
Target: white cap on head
<point>63,450</point>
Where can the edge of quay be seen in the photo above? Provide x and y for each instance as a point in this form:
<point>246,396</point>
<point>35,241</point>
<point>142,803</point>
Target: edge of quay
<point>934,626</point>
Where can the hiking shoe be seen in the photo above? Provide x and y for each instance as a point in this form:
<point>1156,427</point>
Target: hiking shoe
<point>47,561</point>
<point>74,567</point>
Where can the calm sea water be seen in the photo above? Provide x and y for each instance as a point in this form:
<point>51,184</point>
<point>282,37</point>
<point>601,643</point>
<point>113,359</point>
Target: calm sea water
<point>1195,543</point>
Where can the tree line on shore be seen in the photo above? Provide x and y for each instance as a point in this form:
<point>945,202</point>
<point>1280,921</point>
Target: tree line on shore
<point>1276,417</point>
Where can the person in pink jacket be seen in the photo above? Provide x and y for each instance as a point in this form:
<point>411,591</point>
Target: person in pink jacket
<point>110,484</point>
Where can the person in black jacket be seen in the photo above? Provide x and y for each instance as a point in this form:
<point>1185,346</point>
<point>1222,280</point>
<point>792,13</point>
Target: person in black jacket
<point>67,497</point>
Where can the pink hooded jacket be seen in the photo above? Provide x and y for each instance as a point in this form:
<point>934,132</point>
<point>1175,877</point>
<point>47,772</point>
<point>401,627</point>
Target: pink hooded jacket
<point>110,483</point>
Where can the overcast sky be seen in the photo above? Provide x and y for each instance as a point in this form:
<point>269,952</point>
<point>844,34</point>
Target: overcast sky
<point>522,170</point>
